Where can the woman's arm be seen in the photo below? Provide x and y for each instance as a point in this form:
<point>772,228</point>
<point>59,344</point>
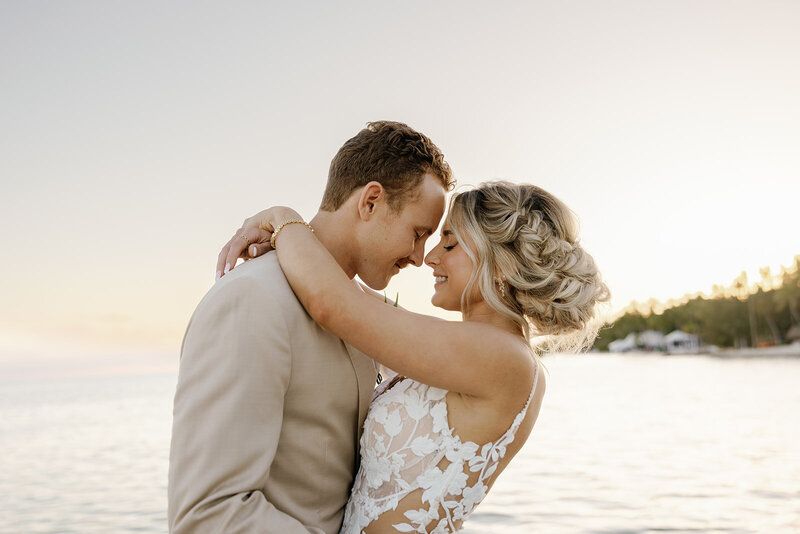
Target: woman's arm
<point>466,357</point>
<point>382,297</point>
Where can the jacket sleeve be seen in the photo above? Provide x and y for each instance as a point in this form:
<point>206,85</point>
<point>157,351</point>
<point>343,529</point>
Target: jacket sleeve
<point>234,371</point>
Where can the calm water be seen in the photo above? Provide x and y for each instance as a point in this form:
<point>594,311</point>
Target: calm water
<point>624,444</point>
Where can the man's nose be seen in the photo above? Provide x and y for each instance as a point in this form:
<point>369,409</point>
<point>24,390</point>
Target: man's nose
<point>416,258</point>
<point>409,260</point>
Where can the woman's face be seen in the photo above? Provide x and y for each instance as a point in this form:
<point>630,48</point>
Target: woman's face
<point>452,269</point>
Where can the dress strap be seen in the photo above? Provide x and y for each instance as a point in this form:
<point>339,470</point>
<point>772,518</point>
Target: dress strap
<point>521,415</point>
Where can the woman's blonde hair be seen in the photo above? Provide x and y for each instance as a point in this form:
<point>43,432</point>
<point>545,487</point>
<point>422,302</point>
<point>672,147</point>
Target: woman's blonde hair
<point>528,239</point>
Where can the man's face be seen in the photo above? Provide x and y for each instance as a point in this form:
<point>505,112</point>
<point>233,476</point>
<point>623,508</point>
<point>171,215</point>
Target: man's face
<point>397,239</point>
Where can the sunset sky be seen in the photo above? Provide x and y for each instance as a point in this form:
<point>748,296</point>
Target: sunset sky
<point>137,136</point>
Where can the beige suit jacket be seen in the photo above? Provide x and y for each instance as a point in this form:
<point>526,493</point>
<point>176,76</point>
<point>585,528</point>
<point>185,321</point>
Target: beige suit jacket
<point>268,413</point>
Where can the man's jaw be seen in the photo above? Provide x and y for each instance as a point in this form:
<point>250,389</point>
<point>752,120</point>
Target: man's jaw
<point>400,265</point>
<point>395,269</point>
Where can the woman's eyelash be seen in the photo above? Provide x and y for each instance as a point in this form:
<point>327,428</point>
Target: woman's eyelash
<point>451,247</point>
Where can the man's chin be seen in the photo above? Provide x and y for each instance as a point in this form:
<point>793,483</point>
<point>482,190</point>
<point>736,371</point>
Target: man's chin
<point>377,285</point>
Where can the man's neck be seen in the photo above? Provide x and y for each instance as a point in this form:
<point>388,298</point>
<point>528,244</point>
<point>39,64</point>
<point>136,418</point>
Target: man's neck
<point>328,227</point>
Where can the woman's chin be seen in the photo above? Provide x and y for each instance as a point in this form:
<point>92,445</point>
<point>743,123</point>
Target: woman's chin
<point>439,302</point>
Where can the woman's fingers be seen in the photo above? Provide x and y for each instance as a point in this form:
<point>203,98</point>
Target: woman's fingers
<point>222,258</point>
<point>257,249</point>
<point>240,245</point>
<point>237,246</point>
<point>230,253</point>
<point>249,241</point>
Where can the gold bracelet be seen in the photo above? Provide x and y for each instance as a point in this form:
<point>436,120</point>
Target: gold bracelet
<point>280,227</point>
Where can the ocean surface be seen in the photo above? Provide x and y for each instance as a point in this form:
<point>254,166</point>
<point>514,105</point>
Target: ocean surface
<point>624,444</point>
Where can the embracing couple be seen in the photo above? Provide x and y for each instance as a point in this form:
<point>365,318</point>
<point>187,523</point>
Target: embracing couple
<point>278,425</point>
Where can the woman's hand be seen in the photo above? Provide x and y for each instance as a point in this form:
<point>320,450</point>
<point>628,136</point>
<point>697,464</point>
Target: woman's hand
<point>252,239</point>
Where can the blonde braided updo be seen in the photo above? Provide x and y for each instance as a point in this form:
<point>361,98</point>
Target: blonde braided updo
<point>528,239</point>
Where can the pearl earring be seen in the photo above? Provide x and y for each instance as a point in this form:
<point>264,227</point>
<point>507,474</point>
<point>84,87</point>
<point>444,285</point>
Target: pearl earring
<point>502,286</point>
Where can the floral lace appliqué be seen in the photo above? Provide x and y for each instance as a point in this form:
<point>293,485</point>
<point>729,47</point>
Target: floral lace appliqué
<point>406,438</point>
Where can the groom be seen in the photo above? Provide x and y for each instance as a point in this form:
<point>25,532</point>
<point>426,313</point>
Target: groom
<point>269,407</point>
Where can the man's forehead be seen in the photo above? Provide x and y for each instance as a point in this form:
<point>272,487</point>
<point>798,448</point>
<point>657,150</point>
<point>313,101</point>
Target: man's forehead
<point>427,220</point>
<point>434,217</point>
<point>427,210</point>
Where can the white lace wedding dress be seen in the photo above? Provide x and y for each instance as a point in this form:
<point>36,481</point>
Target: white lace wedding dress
<point>408,447</point>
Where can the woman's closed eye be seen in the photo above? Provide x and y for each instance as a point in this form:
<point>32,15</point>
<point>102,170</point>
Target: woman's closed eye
<point>451,247</point>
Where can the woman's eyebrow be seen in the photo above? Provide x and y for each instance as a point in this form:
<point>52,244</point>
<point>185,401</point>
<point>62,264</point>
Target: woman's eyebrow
<point>446,233</point>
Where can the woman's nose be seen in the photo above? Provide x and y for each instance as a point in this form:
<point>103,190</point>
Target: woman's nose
<point>431,259</point>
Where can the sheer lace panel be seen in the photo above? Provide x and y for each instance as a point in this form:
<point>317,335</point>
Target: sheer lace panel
<point>408,447</point>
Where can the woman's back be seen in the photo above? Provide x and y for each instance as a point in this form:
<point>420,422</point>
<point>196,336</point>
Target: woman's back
<point>419,474</point>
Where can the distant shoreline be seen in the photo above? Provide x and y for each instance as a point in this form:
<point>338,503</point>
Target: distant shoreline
<point>778,351</point>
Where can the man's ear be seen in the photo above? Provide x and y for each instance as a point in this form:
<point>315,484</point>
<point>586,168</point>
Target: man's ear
<point>372,195</point>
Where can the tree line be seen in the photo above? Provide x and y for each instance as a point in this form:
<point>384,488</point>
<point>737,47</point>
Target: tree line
<point>739,315</point>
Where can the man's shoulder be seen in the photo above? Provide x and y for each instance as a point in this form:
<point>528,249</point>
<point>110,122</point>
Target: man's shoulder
<point>265,269</point>
<point>259,282</point>
<point>254,299</point>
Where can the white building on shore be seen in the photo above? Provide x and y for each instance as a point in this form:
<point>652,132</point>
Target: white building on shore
<point>679,342</point>
<point>623,345</point>
<point>676,342</point>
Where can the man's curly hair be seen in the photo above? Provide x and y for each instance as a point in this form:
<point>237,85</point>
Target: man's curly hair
<point>390,153</point>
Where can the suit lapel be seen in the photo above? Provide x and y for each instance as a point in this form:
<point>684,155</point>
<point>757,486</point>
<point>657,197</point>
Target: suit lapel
<point>366,374</point>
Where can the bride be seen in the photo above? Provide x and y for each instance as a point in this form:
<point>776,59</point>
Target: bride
<point>466,394</point>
